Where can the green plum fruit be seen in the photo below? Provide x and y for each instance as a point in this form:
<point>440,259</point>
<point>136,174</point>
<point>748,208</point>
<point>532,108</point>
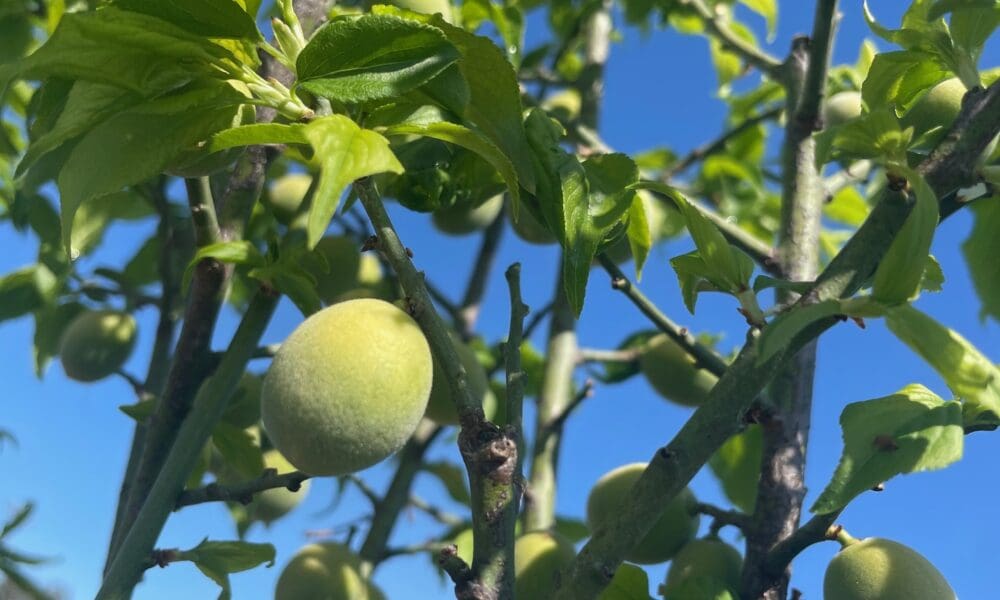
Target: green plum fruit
<point>528,228</point>
<point>841,108</point>
<point>347,388</point>
<point>441,407</point>
<point>706,558</point>
<point>937,108</point>
<point>673,373</point>
<point>270,505</point>
<point>880,569</point>
<point>95,344</point>
<point>463,220</point>
<point>325,571</point>
<point>676,526</point>
<point>286,196</point>
<point>538,558</point>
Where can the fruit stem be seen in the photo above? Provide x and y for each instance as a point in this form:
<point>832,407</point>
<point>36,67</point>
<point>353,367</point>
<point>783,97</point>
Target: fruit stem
<point>841,536</point>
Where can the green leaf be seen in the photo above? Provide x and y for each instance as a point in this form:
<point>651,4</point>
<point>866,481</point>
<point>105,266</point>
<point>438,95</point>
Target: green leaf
<point>17,520</point>
<point>257,134</point>
<point>640,238</point>
<point>49,325</point>
<point>572,530</point>
<point>779,333</point>
<point>899,78</point>
<point>372,57</point>
<point>470,140</point>
<point>26,290</point>
<point>981,250</point>
<point>767,9</point>
<point>898,276</point>
<point>972,23</point>
<point>86,105</point>
<point>137,52</point>
<point>217,560</point>
<point>140,411</point>
<point>629,583</point>
<point>139,143</point>
<point>294,281</point>
<point>494,93</point>
<point>239,449</point>
<point>737,466</point>
<point>875,135</point>
<point>590,213</point>
<point>970,375</point>
<point>910,431</point>
<point>95,214</point>
<point>932,279</point>
<point>240,252</point>
<point>453,478</point>
<point>847,206</point>
<point>211,18</point>
<point>345,152</point>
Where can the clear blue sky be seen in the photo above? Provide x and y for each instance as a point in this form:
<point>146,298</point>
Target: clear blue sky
<point>73,441</point>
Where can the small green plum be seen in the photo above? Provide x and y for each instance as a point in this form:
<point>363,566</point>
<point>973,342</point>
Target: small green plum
<point>538,558</point>
<point>325,571</point>
<point>841,108</point>
<point>463,220</point>
<point>676,526</point>
<point>270,505</point>
<point>286,196</point>
<point>706,558</point>
<point>937,108</point>
<point>347,388</point>
<point>880,569</point>
<point>673,373</point>
<point>95,344</point>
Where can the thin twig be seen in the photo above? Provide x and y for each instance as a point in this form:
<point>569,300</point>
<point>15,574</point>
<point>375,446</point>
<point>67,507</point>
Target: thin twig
<point>816,530</point>
<point>720,516</point>
<point>733,42</point>
<point>443,517</point>
<point>705,357</point>
<point>582,394</point>
<point>242,492</point>
<point>709,148</point>
<point>592,355</point>
<point>515,376</point>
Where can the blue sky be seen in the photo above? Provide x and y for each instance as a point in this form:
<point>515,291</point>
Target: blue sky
<point>72,441</point>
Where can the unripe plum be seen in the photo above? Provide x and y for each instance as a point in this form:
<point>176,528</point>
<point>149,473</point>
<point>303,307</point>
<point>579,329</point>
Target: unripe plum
<point>673,373</point>
<point>880,569</point>
<point>326,571</point>
<point>707,558</point>
<point>462,219</point>
<point>95,344</point>
<point>538,557</point>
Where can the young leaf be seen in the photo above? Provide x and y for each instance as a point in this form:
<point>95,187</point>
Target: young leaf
<point>239,449</point>
<point>981,250</point>
<point>26,290</point>
<point>137,52</point>
<point>210,18</point>
<point>736,464</point>
<point>470,140</point>
<point>255,134</point>
<point>372,57</point>
<point>875,135</point>
<point>240,252</point>
<point>345,152</point>
<point>140,411</point>
<point>217,560</point>
<point>970,375</point>
<point>640,238</point>
<point>898,78</point>
<point>453,478</point>
<point>898,276</point>
<point>96,214</point>
<point>910,431</point>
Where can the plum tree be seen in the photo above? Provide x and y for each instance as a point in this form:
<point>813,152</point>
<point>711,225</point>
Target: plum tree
<point>96,344</point>
<point>320,406</point>
<point>673,373</point>
<point>676,526</point>
<point>538,558</point>
<point>880,569</point>
<point>325,571</point>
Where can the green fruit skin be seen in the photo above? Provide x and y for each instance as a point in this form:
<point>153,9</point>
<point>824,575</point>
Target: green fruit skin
<point>841,108</point>
<point>704,558</point>
<point>286,196</point>
<point>347,388</point>
<point>441,408</point>
<point>937,108</point>
<point>429,7</point>
<point>270,505</point>
<point>676,526</point>
<point>96,344</point>
<point>326,571</point>
<point>673,374</point>
<point>538,557</point>
<point>462,220</point>
<point>244,407</point>
<point>880,569</point>
<point>529,229</point>
<point>343,259</point>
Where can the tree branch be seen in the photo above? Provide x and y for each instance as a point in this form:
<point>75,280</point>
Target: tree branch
<point>673,466</point>
<point>733,42</point>
<point>129,562</point>
<point>709,148</point>
<point>490,455</point>
<point>515,376</point>
<point>242,492</point>
<point>720,517</point>
<point>705,357</point>
<point>816,530</point>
